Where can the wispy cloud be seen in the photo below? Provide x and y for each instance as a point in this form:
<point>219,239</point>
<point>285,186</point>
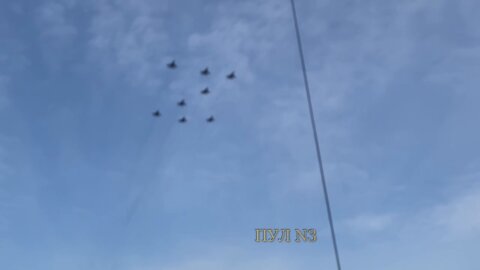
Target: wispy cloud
<point>129,39</point>
<point>57,32</point>
<point>394,91</point>
<point>3,91</point>
<point>54,21</point>
<point>12,62</point>
<point>219,256</point>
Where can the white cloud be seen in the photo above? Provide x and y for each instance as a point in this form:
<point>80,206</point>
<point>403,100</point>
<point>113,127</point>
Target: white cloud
<point>370,222</point>
<point>453,220</point>
<point>461,215</point>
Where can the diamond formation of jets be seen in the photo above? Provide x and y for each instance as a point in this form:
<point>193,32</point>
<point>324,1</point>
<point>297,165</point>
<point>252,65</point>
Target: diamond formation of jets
<point>205,91</point>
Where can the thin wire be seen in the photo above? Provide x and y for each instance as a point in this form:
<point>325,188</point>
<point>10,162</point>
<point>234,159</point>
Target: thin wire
<point>315,136</point>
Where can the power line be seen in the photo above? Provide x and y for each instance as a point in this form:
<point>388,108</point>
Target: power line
<point>315,136</point>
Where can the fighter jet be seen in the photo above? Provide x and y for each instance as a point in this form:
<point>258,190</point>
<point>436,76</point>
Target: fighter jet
<point>156,114</point>
<point>182,120</point>
<point>205,91</point>
<point>181,103</point>
<point>231,76</point>
<point>172,65</point>
<point>205,72</point>
<point>210,119</point>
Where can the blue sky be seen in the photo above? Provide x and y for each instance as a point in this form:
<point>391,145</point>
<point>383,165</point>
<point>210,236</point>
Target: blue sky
<point>89,180</point>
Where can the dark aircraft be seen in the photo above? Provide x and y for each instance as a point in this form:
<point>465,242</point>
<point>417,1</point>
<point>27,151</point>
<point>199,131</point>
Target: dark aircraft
<point>156,114</point>
<point>172,64</point>
<point>182,120</point>
<point>205,72</point>
<point>231,76</point>
<point>210,119</point>
<point>205,91</point>
<point>181,103</point>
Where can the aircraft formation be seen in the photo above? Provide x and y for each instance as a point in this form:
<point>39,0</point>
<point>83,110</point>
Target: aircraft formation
<point>206,91</point>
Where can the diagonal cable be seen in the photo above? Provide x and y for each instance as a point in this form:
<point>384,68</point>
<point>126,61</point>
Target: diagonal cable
<point>315,136</point>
